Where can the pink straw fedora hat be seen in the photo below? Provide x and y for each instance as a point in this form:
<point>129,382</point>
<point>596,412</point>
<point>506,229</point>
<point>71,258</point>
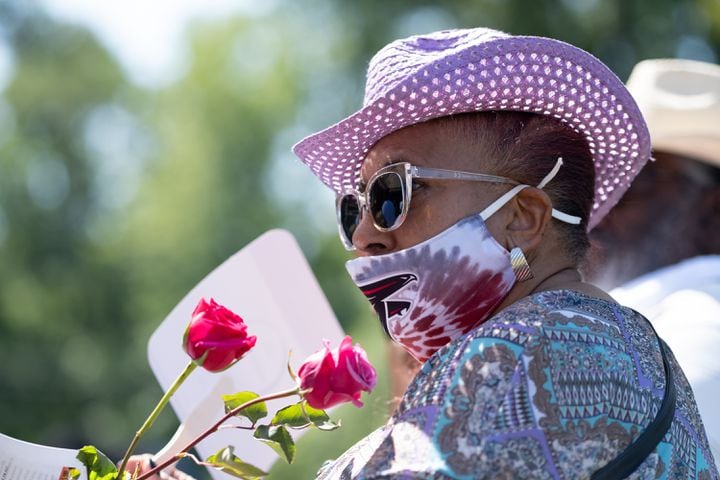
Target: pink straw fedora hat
<point>455,71</point>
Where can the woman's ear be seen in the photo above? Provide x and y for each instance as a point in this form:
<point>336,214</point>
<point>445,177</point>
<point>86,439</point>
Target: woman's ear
<point>530,213</point>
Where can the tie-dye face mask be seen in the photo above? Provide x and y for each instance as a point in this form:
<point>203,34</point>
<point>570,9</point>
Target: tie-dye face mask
<point>434,292</point>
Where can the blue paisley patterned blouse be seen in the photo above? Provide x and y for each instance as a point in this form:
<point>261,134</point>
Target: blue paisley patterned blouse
<point>554,386</point>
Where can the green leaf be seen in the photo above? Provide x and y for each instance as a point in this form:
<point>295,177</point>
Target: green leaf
<point>226,461</point>
<point>253,412</point>
<point>69,473</point>
<point>301,415</point>
<point>292,416</point>
<point>319,418</point>
<point>99,467</point>
<point>279,439</point>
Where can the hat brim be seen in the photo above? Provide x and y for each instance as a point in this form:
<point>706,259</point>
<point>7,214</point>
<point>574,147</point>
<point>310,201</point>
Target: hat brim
<point>529,74</point>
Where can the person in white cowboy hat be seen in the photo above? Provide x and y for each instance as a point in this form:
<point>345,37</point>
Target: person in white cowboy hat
<point>466,184</point>
<point>660,246</point>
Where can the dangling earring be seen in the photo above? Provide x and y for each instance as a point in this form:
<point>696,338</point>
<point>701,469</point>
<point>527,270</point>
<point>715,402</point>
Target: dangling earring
<point>520,265</point>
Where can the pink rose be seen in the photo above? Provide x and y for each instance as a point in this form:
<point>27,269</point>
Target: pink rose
<point>337,376</point>
<point>218,332</point>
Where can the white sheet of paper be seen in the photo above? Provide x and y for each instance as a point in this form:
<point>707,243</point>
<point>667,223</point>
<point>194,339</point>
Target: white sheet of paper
<point>21,460</point>
<point>271,286</point>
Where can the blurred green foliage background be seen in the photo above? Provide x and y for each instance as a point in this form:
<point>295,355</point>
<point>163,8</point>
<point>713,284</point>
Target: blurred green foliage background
<point>115,200</point>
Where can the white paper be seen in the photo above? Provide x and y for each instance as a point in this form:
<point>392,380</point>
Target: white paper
<point>271,286</point>
<point>21,460</point>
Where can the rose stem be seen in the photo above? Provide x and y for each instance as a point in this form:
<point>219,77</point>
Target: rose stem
<point>202,436</point>
<point>154,414</point>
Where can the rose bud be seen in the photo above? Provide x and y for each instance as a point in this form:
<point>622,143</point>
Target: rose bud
<point>336,376</point>
<point>216,337</point>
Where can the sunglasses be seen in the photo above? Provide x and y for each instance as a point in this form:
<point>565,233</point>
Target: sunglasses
<point>387,196</point>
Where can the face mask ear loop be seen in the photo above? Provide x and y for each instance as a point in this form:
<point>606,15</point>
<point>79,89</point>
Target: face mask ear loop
<point>500,202</point>
<point>563,217</point>
<point>551,174</point>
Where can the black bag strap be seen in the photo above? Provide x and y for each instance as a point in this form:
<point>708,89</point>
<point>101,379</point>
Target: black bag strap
<point>635,454</point>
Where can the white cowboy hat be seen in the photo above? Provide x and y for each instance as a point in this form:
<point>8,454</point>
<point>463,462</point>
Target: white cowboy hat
<point>680,100</point>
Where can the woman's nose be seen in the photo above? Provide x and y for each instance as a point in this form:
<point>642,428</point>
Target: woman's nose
<point>368,240</point>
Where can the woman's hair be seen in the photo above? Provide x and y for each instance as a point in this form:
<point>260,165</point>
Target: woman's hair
<point>525,147</point>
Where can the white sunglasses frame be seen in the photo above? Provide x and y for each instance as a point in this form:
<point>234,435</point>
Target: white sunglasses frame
<point>407,172</point>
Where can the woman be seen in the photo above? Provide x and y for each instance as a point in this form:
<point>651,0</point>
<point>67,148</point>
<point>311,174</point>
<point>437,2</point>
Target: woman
<point>467,184</point>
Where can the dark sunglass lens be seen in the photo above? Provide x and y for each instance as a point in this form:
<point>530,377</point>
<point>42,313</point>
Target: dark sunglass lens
<point>349,215</point>
<point>386,199</point>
